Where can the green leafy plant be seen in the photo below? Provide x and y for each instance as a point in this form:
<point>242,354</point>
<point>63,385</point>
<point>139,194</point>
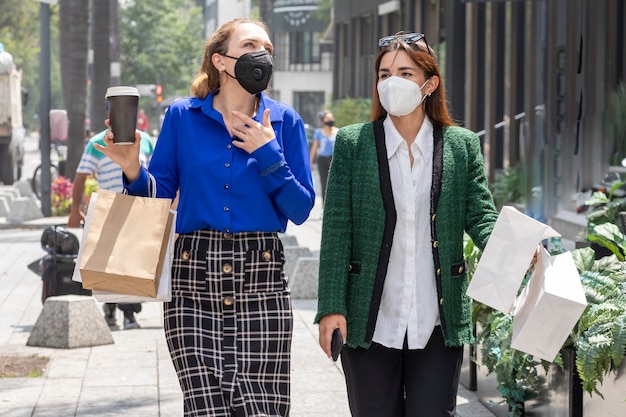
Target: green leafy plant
<point>507,187</point>
<point>617,119</point>
<point>516,372</point>
<point>598,338</point>
<point>349,111</point>
<point>604,207</point>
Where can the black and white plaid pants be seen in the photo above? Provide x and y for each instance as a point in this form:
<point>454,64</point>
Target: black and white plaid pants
<point>229,324</point>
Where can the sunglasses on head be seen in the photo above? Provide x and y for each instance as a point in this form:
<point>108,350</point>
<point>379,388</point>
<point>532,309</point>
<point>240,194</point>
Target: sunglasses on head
<point>408,38</point>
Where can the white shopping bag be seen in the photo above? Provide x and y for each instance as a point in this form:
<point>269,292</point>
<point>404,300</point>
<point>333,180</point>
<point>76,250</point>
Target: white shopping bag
<point>164,290</point>
<point>506,258</point>
<point>549,306</point>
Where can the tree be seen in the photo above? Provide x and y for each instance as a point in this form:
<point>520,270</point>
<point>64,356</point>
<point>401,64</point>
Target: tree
<point>74,36</point>
<point>19,32</point>
<point>101,65</point>
<point>161,45</point>
<point>266,12</point>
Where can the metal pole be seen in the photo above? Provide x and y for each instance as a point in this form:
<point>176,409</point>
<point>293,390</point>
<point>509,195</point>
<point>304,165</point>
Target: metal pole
<point>44,107</point>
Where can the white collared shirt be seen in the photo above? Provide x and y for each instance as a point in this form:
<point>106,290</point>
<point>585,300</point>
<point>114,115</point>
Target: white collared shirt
<point>409,300</point>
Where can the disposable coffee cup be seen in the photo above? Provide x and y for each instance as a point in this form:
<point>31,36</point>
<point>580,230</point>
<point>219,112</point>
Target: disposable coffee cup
<point>122,106</point>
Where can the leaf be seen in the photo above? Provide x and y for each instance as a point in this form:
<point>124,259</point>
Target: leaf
<point>618,350</point>
<point>597,198</point>
<point>583,258</point>
<point>609,236</point>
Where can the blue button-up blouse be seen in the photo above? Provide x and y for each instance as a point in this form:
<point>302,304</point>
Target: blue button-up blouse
<point>221,186</point>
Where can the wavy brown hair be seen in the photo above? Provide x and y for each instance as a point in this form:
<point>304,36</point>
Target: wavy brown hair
<point>208,78</point>
<point>423,56</point>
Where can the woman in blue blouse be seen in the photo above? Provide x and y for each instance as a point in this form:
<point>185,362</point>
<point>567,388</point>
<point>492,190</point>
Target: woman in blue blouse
<point>323,146</point>
<point>241,164</point>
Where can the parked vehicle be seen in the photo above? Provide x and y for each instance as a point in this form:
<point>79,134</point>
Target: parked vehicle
<point>12,132</point>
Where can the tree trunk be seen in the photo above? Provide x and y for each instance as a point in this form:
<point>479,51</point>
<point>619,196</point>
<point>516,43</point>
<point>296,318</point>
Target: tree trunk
<point>266,11</point>
<point>101,65</point>
<point>74,42</point>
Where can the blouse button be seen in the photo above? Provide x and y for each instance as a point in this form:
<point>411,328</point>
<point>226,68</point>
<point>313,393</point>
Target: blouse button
<point>267,256</point>
<point>226,208</point>
<point>227,268</point>
<point>229,146</point>
<point>227,165</point>
<point>185,256</point>
<point>226,186</point>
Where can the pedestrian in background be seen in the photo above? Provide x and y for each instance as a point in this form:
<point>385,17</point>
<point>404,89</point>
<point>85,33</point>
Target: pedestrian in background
<point>143,123</point>
<point>323,146</point>
<point>240,160</point>
<point>109,177</point>
<point>402,191</point>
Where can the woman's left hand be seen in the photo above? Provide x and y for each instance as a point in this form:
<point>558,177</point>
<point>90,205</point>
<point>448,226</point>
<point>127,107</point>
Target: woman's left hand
<point>251,135</point>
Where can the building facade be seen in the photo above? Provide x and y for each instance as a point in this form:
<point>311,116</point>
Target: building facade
<point>532,77</point>
<point>303,61</point>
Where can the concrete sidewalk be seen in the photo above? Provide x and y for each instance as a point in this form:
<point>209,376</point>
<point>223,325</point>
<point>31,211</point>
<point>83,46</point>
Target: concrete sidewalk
<point>134,376</point>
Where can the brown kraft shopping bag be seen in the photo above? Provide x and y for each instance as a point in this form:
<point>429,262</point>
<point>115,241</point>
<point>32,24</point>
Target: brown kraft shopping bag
<point>125,244</point>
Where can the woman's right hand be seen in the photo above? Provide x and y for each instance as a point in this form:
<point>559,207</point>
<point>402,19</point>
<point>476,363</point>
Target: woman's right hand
<point>126,156</point>
<point>327,326</point>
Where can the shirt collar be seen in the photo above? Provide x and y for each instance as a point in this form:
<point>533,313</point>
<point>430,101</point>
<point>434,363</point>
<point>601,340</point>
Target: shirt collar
<point>265,102</point>
<point>423,140</point>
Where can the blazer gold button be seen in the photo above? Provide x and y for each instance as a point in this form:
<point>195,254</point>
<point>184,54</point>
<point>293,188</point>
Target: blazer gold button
<point>441,301</point>
<point>228,301</point>
<point>460,269</point>
<point>350,268</point>
<point>433,217</point>
<point>435,244</point>
<point>185,255</point>
<point>227,268</point>
<point>438,271</point>
<point>267,256</point>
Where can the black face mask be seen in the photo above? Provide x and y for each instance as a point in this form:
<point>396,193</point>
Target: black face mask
<point>253,70</point>
<point>330,123</point>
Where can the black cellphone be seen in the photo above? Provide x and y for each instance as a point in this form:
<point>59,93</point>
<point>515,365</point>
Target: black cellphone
<point>336,344</point>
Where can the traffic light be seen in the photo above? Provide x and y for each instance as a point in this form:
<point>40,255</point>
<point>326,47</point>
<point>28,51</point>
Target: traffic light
<point>158,90</point>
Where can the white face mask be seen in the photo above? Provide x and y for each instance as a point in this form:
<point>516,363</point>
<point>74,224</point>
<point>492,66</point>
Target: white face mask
<point>400,96</point>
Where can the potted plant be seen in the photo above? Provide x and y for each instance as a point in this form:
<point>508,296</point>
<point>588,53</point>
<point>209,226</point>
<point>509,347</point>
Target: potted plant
<point>61,196</point>
<point>598,340</point>
<point>507,188</point>
<point>617,119</point>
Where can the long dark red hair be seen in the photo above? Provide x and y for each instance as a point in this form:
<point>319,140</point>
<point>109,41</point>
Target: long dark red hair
<point>423,56</point>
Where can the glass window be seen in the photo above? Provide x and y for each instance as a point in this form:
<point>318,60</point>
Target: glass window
<point>304,48</point>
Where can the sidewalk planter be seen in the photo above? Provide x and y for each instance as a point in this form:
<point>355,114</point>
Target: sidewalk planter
<point>614,402</point>
<point>562,394</point>
<point>546,390</point>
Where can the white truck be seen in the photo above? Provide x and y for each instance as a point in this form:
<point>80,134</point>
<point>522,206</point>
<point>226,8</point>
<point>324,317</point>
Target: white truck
<point>12,132</point>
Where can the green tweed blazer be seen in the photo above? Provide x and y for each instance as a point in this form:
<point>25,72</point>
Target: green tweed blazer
<point>360,218</point>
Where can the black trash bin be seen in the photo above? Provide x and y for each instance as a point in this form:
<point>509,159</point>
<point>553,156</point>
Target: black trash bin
<point>57,267</point>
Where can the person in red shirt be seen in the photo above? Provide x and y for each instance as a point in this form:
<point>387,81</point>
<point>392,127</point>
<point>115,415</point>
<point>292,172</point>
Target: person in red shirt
<point>142,121</point>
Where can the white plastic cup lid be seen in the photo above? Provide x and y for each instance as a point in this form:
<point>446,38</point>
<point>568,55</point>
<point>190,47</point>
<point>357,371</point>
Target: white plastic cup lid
<point>121,90</point>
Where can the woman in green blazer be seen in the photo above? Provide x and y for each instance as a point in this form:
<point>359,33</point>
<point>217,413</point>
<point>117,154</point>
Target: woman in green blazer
<point>401,192</point>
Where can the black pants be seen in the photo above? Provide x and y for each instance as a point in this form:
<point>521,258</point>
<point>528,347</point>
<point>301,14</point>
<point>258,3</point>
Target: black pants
<point>127,308</point>
<point>323,166</point>
<point>384,382</point>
